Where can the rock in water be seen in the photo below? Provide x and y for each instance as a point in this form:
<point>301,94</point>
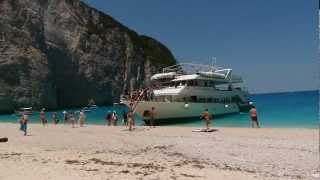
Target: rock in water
<point>60,53</point>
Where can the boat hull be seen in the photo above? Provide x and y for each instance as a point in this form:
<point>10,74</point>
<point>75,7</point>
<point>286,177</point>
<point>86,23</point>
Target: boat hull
<point>175,112</point>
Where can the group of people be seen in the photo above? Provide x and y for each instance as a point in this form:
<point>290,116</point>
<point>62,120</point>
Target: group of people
<point>207,117</point>
<point>112,119</point>
<point>127,119</point>
<point>70,118</point>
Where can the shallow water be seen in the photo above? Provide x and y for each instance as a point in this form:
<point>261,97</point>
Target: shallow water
<point>280,110</point>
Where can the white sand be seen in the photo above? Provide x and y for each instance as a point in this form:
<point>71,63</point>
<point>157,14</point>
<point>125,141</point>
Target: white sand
<point>100,152</point>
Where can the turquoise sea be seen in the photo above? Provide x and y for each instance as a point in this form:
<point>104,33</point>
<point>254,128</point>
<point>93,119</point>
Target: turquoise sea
<point>280,110</point>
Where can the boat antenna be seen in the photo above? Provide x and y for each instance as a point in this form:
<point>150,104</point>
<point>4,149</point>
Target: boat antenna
<point>213,63</point>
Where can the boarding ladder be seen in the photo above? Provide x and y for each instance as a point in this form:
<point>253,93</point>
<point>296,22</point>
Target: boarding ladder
<point>135,101</point>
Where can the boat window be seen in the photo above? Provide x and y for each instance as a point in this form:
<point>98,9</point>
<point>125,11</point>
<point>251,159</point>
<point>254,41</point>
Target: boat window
<point>211,84</point>
<point>205,83</point>
<point>193,98</point>
<point>184,99</point>
<point>190,83</point>
<point>202,99</point>
<point>168,99</point>
<point>209,100</point>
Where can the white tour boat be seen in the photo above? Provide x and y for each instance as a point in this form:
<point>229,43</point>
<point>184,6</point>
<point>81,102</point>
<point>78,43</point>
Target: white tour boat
<point>184,91</point>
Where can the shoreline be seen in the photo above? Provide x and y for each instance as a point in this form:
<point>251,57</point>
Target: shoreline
<point>175,125</point>
<point>101,152</point>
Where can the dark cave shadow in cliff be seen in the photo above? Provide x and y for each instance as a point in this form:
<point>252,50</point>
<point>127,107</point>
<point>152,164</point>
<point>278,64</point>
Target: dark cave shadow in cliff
<point>71,88</point>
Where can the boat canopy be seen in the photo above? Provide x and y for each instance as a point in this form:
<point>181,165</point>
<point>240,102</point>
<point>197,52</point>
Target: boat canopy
<point>234,79</point>
<point>167,75</point>
<point>189,71</point>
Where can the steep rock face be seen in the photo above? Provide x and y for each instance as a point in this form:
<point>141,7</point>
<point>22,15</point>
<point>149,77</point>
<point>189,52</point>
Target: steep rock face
<point>60,53</point>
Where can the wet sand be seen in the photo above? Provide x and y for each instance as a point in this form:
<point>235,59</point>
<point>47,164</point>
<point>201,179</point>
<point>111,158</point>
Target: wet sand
<point>101,152</point>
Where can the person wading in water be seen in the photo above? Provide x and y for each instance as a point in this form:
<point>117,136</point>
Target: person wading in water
<point>43,118</point>
<point>254,117</point>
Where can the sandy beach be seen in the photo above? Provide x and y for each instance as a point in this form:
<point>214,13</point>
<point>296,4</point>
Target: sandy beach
<point>101,152</point>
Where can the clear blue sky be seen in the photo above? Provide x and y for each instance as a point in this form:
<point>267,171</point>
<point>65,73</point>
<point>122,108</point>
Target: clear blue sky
<point>271,43</point>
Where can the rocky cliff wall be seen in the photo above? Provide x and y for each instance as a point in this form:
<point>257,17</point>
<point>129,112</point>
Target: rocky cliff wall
<point>60,53</point>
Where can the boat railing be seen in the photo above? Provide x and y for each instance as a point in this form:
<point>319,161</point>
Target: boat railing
<point>190,68</point>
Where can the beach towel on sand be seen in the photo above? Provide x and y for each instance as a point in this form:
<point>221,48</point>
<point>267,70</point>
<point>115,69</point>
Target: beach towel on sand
<point>204,130</point>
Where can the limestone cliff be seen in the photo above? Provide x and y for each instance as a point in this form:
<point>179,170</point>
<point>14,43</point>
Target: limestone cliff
<point>60,53</point>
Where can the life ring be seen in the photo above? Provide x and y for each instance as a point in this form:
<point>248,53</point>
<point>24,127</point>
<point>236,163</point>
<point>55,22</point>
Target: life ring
<point>186,106</point>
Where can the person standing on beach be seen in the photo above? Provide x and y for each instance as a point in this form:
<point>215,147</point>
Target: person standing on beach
<point>152,116</point>
<point>82,118</point>
<point>130,120</point>
<point>43,117</point>
<point>114,118</point>
<point>72,119</point>
<point>254,117</point>
<point>125,119</point>
<point>207,118</point>
<point>65,117</point>
<point>108,118</point>
<point>55,118</point>
<point>23,123</point>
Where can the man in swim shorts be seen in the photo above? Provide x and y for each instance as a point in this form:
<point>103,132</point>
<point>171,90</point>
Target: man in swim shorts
<point>206,117</point>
